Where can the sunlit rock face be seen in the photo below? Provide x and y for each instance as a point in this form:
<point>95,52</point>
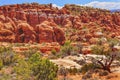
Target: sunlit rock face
<point>44,23</point>
<point>26,23</point>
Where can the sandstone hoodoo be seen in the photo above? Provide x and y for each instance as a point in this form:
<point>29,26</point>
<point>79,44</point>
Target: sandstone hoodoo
<point>50,32</point>
<point>33,22</point>
<point>25,33</point>
<point>30,24</point>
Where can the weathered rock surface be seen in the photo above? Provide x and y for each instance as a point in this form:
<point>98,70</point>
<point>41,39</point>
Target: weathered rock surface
<point>50,32</point>
<point>25,33</point>
<point>45,23</point>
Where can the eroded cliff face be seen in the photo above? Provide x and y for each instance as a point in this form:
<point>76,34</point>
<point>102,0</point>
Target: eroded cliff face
<point>30,23</point>
<point>43,23</point>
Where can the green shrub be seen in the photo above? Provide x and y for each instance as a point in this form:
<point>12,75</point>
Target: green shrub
<point>22,69</point>
<point>43,69</point>
<point>47,70</point>
<point>63,71</point>
<point>7,56</point>
<point>73,70</point>
<point>30,52</point>
<point>99,50</point>
<point>113,41</point>
<point>4,49</point>
<point>54,52</point>
<point>66,49</point>
<point>90,66</point>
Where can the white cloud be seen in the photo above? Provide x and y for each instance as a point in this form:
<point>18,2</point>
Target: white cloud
<point>54,5</point>
<point>104,5</point>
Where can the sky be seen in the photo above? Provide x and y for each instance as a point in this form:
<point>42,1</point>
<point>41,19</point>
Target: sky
<point>104,4</point>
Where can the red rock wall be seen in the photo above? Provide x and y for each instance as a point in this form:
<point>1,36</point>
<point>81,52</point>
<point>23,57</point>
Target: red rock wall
<point>42,23</point>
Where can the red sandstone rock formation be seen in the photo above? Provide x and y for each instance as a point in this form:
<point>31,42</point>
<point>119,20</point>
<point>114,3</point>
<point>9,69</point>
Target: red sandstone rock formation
<point>42,23</point>
<point>25,33</point>
<point>49,32</point>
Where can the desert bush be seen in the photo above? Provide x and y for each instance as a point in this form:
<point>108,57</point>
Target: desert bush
<point>73,70</point>
<point>113,41</point>
<point>103,73</point>
<point>99,50</point>
<point>22,69</point>
<point>30,52</point>
<point>68,49</point>
<point>87,67</point>
<point>63,72</point>
<point>7,56</point>
<point>80,47</point>
<point>43,69</point>
<point>34,60</point>
<point>53,52</point>
<point>5,49</point>
<point>86,76</point>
